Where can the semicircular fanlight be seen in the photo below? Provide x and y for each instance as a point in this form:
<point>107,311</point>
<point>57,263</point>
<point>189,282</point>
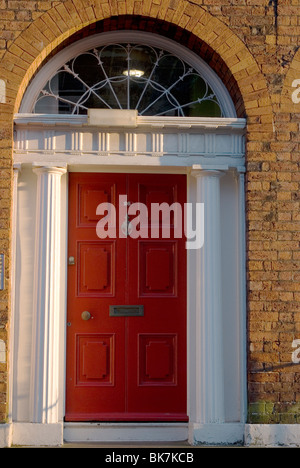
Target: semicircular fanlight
<point>128,76</point>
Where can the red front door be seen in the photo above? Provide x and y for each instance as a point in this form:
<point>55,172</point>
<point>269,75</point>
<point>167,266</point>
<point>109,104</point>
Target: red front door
<point>126,354</point>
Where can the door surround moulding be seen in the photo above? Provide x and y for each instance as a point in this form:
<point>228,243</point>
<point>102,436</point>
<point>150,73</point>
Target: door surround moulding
<point>207,183</point>
<point>154,144</point>
<point>138,162</point>
<point>212,143</point>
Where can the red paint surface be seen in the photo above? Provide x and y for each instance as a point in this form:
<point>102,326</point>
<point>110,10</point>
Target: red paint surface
<point>125,368</point>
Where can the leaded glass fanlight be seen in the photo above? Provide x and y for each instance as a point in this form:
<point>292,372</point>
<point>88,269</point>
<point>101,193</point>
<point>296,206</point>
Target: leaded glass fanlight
<point>128,76</point>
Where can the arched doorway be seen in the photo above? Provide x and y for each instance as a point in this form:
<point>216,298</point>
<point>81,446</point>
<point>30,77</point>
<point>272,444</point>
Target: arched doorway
<point>125,105</point>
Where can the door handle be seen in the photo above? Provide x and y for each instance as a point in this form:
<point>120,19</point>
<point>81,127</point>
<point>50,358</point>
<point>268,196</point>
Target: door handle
<point>86,315</point>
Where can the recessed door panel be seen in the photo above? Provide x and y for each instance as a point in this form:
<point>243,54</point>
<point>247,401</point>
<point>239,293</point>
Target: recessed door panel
<point>90,195</point>
<point>157,268</point>
<point>96,269</point>
<point>126,333</point>
<point>157,359</point>
<point>95,357</point>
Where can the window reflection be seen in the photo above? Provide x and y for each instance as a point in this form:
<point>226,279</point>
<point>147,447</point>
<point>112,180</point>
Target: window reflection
<point>126,76</point>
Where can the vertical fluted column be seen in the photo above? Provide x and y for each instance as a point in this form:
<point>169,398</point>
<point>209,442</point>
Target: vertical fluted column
<point>210,378</point>
<point>45,335</point>
<point>16,171</point>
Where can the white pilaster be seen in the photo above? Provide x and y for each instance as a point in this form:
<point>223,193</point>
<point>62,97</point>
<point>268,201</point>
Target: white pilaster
<point>44,393</point>
<point>16,171</point>
<point>210,373</point>
<point>240,178</point>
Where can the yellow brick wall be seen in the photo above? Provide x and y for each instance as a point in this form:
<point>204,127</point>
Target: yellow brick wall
<point>252,45</point>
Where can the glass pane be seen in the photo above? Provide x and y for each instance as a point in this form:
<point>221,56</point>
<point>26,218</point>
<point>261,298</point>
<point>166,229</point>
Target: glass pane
<point>142,61</point>
<point>86,66</point>
<point>125,76</point>
<point>190,89</point>
<point>204,109</point>
<point>46,105</point>
<point>119,88</point>
<point>162,106</point>
<point>168,71</point>
<point>106,97</point>
<point>137,87</point>
<point>150,96</point>
<point>67,86</point>
<point>114,60</point>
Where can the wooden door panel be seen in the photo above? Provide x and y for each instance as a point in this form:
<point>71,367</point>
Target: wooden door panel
<point>96,269</point>
<point>157,268</point>
<point>90,195</point>
<point>157,343</point>
<point>157,359</point>
<point>95,380</point>
<point>95,357</point>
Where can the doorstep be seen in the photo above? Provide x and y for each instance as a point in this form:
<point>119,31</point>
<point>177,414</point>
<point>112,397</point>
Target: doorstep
<point>125,432</point>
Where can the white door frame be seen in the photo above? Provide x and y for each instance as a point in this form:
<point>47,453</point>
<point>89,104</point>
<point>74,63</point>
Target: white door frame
<point>164,146</point>
<point>211,152</point>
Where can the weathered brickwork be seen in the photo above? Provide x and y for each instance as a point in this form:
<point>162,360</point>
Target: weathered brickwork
<point>253,46</point>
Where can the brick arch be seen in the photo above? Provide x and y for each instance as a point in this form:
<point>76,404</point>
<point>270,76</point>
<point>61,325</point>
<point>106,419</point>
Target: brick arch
<point>287,104</point>
<point>208,36</point>
<point>171,31</point>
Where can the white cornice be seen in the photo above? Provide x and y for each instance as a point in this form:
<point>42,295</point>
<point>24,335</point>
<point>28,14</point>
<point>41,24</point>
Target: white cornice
<point>42,120</point>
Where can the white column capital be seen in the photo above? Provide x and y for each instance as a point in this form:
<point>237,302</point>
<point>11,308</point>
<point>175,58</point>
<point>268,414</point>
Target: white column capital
<point>195,172</point>
<point>49,169</point>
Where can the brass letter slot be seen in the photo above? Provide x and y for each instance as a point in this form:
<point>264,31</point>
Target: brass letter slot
<point>126,311</point>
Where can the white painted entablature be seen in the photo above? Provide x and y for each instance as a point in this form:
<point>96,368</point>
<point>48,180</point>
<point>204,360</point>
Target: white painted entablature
<point>167,141</point>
